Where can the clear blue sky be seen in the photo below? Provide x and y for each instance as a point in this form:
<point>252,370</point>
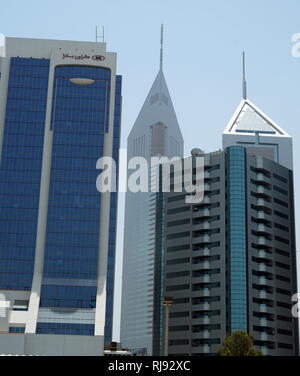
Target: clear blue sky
<point>203,45</point>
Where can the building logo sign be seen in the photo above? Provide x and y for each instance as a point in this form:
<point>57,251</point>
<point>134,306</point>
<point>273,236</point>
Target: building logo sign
<point>84,57</point>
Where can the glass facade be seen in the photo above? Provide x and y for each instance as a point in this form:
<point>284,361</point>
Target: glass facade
<point>79,122</point>
<point>16,330</point>
<point>20,170</point>
<point>68,296</point>
<point>68,329</point>
<point>80,119</point>
<point>237,238</point>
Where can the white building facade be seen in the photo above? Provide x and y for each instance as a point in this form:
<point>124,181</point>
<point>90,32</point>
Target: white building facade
<point>156,132</point>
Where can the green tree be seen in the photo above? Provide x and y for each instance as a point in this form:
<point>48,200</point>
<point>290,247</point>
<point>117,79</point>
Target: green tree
<point>239,344</point>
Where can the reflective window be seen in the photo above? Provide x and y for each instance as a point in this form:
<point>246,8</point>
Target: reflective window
<point>66,329</point>
<point>237,237</point>
<point>20,170</point>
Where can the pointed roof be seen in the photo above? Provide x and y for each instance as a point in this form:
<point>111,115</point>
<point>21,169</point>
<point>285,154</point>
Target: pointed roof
<point>249,119</point>
<point>158,107</point>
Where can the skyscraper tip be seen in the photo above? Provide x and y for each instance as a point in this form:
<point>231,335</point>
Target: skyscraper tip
<point>161,47</point>
<point>244,77</point>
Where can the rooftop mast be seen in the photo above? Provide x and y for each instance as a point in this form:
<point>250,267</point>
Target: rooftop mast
<point>244,78</point>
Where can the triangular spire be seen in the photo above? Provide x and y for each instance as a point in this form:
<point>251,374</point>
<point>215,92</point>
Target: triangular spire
<point>158,107</point>
<point>244,78</point>
<point>249,119</point>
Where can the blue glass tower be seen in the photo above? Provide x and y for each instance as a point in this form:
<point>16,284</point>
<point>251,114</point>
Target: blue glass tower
<point>237,238</point>
<point>58,235</point>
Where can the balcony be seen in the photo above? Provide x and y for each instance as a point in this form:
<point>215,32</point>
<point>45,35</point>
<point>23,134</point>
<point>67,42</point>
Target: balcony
<point>263,281</point>
<point>206,251</point>
<point>261,240</point>
<point>263,229</point>
<point>262,267</point>
<point>263,323</point>
<point>261,190</point>
<point>266,337</point>
<point>260,177</point>
<point>201,239</point>
<point>201,335</point>
<point>201,226</point>
<point>262,215</point>
<point>201,213</point>
<point>206,349</point>
<point>262,202</point>
<point>201,321</point>
<point>202,307</point>
<point>264,255</point>
<point>266,295</point>
<point>263,308</point>
<point>202,266</point>
<point>201,279</point>
<point>201,293</point>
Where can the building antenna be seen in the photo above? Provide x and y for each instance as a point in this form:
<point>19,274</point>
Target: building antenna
<point>244,78</point>
<point>100,36</point>
<point>161,47</point>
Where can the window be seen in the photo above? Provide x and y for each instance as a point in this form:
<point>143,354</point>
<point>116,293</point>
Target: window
<point>282,266</point>
<point>178,248</point>
<point>284,318</point>
<point>176,315</point>
<point>16,330</point>
<point>181,300</point>
<point>179,222</point>
<point>66,329</point>
<point>280,202</point>
<point>178,274</point>
<point>179,328</point>
<point>282,228</point>
<point>282,240</point>
<point>281,215</point>
<point>285,346</point>
<point>285,332</point>
<point>20,305</point>
<point>179,210</point>
<point>178,235</point>
<point>280,178</point>
<point>284,305</point>
<point>178,261</point>
<point>20,170</point>
<point>282,253</point>
<point>283,279</point>
<point>178,342</point>
<point>284,292</point>
<point>280,190</point>
<point>177,288</point>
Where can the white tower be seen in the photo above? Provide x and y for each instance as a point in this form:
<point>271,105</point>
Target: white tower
<point>155,132</point>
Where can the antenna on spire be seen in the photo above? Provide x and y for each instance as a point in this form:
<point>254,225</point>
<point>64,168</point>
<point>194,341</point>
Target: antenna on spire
<point>99,36</point>
<point>244,77</point>
<point>161,47</point>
